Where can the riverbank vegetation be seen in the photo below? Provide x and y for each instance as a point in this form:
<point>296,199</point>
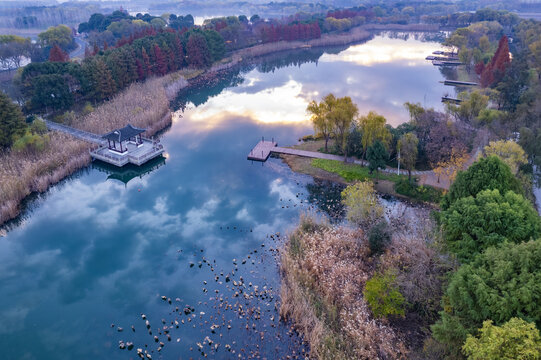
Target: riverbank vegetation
<point>486,239</point>
<point>38,159</point>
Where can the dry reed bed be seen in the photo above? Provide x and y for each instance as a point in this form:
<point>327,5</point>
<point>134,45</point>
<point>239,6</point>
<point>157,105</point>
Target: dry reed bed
<point>142,104</point>
<point>24,173</point>
<point>324,270</point>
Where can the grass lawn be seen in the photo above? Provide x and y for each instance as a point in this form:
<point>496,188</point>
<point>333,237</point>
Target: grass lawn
<point>352,172</point>
<point>402,186</point>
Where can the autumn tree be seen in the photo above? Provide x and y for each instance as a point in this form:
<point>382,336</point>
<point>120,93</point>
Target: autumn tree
<point>60,35</point>
<point>509,152</point>
<point>471,105</point>
<point>58,55</point>
<point>373,129</point>
<point>197,51</point>
<point>494,71</point>
<point>320,121</point>
<point>516,339</point>
<point>341,117</point>
<point>361,201</point>
<point>159,61</point>
<point>407,145</point>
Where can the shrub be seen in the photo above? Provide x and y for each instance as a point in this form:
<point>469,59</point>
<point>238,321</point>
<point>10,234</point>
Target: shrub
<point>382,295</point>
<point>379,237</point>
<point>423,193</point>
<point>30,142</point>
<point>487,173</point>
<point>87,109</point>
<point>499,284</point>
<point>471,224</point>
<point>363,207</point>
<point>514,340</point>
<point>38,127</point>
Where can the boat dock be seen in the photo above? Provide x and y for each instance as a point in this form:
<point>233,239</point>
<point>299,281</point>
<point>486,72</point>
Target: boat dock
<point>459,83</point>
<point>447,99</point>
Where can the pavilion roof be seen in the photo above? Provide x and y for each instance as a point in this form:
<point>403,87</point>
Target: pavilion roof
<point>123,134</point>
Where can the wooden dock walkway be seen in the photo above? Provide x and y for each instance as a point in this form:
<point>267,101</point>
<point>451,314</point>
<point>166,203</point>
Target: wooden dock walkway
<point>263,149</point>
<point>79,134</point>
<point>459,83</point>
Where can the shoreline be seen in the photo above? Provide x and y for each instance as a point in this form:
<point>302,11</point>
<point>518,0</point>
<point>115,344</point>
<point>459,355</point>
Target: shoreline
<point>58,166</point>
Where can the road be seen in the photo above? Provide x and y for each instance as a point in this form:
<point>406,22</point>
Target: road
<point>80,51</point>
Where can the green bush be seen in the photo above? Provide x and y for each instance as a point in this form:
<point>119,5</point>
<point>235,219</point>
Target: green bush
<point>514,340</point>
<point>471,224</point>
<point>379,237</point>
<point>38,127</point>
<point>383,297</point>
<point>31,142</point>
<point>487,173</point>
<point>501,283</point>
<point>422,193</point>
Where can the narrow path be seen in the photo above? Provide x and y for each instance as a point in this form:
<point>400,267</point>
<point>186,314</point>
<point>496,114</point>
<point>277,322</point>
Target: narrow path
<point>79,134</point>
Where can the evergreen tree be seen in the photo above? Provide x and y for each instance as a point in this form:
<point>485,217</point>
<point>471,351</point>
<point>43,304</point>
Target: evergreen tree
<point>11,121</point>
<point>105,86</point>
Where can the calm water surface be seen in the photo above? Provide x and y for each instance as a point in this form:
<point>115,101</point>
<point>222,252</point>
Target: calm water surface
<point>96,251</point>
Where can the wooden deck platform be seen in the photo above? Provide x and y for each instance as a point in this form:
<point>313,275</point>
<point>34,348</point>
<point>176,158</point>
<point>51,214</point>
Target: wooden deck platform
<point>137,155</point>
<point>262,150</point>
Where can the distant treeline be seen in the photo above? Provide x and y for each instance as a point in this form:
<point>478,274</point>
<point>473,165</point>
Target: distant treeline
<point>57,85</point>
<point>41,17</point>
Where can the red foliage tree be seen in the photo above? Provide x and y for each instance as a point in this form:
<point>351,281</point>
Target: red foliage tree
<point>479,67</point>
<point>58,55</point>
<point>495,70</point>
<point>147,69</point>
<point>160,61</point>
<point>140,71</point>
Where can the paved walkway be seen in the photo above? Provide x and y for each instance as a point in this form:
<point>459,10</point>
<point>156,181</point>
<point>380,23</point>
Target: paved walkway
<point>79,134</point>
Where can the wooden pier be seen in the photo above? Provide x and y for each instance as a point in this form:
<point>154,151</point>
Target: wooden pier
<point>459,83</point>
<point>79,134</point>
<point>447,99</point>
<point>263,149</point>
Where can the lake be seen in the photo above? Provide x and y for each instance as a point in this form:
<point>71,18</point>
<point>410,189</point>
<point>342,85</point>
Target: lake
<point>199,227</point>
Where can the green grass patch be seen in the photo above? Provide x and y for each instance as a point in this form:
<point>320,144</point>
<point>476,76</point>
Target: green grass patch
<point>353,172</point>
<point>423,193</point>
